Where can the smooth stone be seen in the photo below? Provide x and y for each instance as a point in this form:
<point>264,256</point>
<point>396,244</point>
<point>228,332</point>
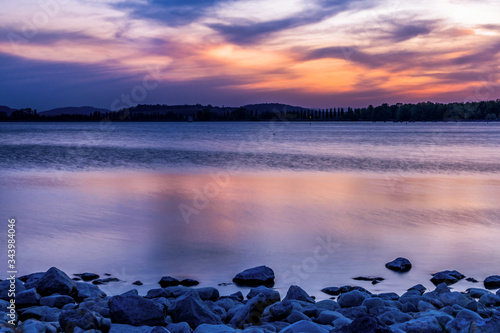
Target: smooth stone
<point>55,281</point>
<point>387,296</point>
<point>256,276</point>
<point>365,323</point>
<point>299,294</point>
<point>352,298</point>
<point>332,291</point>
<point>455,298</point>
<point>238,296</point>
<point>86,290</point>
<point>492,282</point>
<point>477,292</point>
<point>31,280</point>
<point>419,287</point>
<point>393,317</point>
<point>191,309</point>
<point>27,298</point>
<point>99,305</point>
<point>56,301</point>
<point>490,300</point>
<point>465,321</point>
<point>168,281</point>
<point>105,280</point>
<point>82,318</point>
<point>304,326</point>
<point>448,277</point>
<point>296,316</point>
<point>226,303</point>
<point>442,288</point>
<point>327,317</point>
<point>208,294</point>
<point>340,323</point>
<point>346,289</point>
<point>137,283</point>
<point>423,306</point>
<point>132,292</point>
<point>353,312</point>
<point>5,287</point>
<point>400,265</point>
<point>328,304</point>
<point>88,276</point>
<point>282,309</point>
<point>271,295</point>
<point>472,280</point>
<point>189,283</point>
<point>35,326</point>
<point>179,328</point>
<point>373,303</point>
<point>122,328</point>
<point>442,317</point>
<point>169,292</point>
<point>135,310</point>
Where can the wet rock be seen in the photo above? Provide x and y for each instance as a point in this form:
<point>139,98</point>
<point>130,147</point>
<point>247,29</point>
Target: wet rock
<point>465,321</point>
<point>41,313</point>
<point>88,276</point>
<point>168,281</point>
<point>257,276</point>
<point>428,324</point>
<point>492,282</point>
<point>372,279</point>
<point>333,291</point>
<point>304,326</point>
<point>393,317</point>
<point>400,265</point>
<point>365,324</point>
<point>55,281</point>
<point>328,304</point>
<point>328,317</point>
<point>298,294</point>
<point>137,283</point>
<point>85,290</point>
<point>105,280</point>
<point>477,292</point>
<point>448,277</point>
<point>208,294</point>
<point>56,301</point>
<point>469,279</point>
<point>271,295</point>
<point>210,328</point>
<point>31,280</point>
<point>251,312</point>
<point>5,287</point>
<point>82,318</point>
<point>490,300</point>
<point>27,298</point>
<point>189,282</point>
<point>135,310</point>
<point>419,288</point>
<point>179,328</point>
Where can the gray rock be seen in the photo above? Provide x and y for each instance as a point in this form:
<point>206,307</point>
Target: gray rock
<point>492,282</point>
<point>86,290</point>
<point>271,295</point>
<point>168,281</point>
<point>297,293</point>
<point>27,298</point>
<point>135,310</point>
<point>256,276</point>
<point>190,308</point>
<point>82,318</point>
<point>189,282</point>
<point>351,299</point>
<point>304,326</point>
<point>399,265</point>
<point>56,301</point>
<point>88,276</point>
<point>448,277</point>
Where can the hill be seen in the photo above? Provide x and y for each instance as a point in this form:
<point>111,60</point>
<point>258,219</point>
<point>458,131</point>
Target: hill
<point>82,110</point>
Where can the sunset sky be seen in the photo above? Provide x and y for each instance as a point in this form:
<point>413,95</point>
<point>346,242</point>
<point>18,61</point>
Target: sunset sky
<point>312,53</point>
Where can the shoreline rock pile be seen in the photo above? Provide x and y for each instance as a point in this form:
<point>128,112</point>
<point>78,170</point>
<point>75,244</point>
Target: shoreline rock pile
<point>52,302</point>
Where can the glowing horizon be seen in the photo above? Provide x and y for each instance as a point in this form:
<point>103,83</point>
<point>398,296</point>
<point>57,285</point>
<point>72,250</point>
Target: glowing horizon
<point>321,53</point>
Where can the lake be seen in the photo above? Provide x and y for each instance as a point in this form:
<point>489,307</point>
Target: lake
<point>320,203</point>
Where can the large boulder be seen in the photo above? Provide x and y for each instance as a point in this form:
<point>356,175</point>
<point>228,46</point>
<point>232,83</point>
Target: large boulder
<point>191,309</point>
<point>332,291</point>
<point>83,318</point>
<point>135,311</point>
<point>257,276</point>
<point>298,294</point>
<point>448,277</point>
<point>400,265</point>
<point>492,282</point>
<point>55,281</point>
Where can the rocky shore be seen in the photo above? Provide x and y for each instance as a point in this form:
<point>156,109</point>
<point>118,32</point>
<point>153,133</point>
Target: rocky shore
<point>53,302</point>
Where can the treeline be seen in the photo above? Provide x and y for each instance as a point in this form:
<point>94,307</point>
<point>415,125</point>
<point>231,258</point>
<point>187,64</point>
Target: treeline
<point>428,111</point>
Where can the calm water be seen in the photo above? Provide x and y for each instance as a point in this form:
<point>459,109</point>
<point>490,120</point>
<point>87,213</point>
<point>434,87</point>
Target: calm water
<point>319,203</point>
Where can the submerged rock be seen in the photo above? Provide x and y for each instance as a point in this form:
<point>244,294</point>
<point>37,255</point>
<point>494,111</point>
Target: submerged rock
<point>448,277</point>
<point>189,283</point>
<point>492,282</point>
<point>399,265</point>
<point>87,276</point>
<point>257,276</point>
<point>332,291</point>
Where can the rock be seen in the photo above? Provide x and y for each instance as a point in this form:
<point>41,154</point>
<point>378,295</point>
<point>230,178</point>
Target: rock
<point>492,282</point>
<point>327,317</point>
<point>42,313</point>
<point>257,276</point>
<point>208,294</point>
<point>472,280</point>
<point>477,292</point>
<point>442,288</point>
<point>85,290</point>
<point>135,310</point>
<point>490,300</point>
<point>341,322</point>
<point>351,299</point>
<point>99,305</point>
<point>251,312</point>
<point>353,312</point>
<point>393,317</point>
<point>374,280</point>
<point>56,301</point>
<point>346,289</point>
<point>132,292</point>
<point>298,294</point>
<point>332,291</point>
<point>271,295</point>
<point>373,303</point>
<point>55,281</point>
<point>420,288</point>
<point>31,280</point>
<point>31,326</point>
<point>168,281</point>
<point>304,326</point>
<point>328,304</point>
<point>400,265</point>
<point>427,324</point>
<point>105,280</point>
<point>27,298</point>
<point>179,328</point>
<point>190,308</point>
<point>121,328</point>
<point>388,296</point>
<point>137,283</point>
<point>455,297</point>
<point>296,316</point>
<point>87,276</point>
<point>448,277</point>
<point>366,324</point>
<point>465,321</point>
<point>169,292</point>
<point>5,287</point>
<point>210,328</point>
<point>189,283</point>
<point>82,318</point>
<point>282,309</point>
